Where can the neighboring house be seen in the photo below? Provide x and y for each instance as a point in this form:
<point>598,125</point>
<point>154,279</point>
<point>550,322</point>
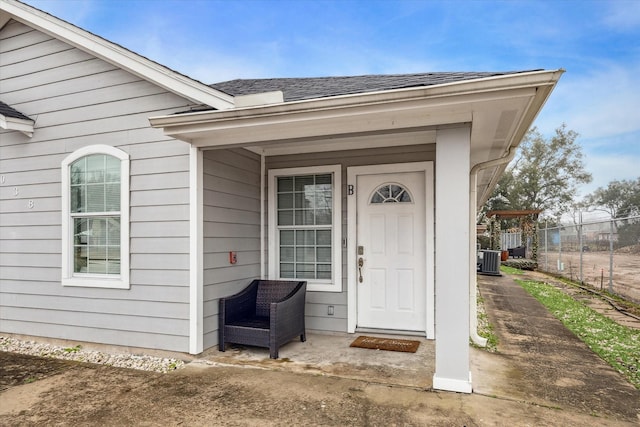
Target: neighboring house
<point>133,197</point>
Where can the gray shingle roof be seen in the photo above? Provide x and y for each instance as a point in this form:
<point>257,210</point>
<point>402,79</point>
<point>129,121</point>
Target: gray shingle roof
<point>8,111</point>
<point>295,89</point>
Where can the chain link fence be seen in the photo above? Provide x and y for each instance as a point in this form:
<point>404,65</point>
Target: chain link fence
<point>602,254</point>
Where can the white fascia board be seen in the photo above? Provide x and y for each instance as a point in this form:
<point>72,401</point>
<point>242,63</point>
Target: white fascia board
<point>276,123</point>
<point>507,81</point>
<point>4,18</point>
<point>144,68</point>
<point>21,125</point>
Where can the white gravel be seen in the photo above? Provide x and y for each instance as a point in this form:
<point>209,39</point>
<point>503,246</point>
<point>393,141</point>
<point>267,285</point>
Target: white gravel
<point>78,354</point>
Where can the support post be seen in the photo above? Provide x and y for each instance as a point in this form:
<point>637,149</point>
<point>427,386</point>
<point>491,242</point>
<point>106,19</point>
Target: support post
<point>546,247</point>
<point>611,256</point>
<point>560,269</point>
<point>196,250</point>
<point>452,260</point>
<point>580,243</point>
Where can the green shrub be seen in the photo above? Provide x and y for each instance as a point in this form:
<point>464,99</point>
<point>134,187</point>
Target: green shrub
<point>521,263</point>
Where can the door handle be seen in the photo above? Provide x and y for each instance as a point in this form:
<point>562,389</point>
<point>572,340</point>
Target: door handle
<point>360,264</point>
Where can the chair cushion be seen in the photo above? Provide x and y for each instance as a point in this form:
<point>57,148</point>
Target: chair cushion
<point>251,322</point>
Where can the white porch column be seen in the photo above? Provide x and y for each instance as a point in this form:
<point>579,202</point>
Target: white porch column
<point>196,249</point>
<point>452,260</point>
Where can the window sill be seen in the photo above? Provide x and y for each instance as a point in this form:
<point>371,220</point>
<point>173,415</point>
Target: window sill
<point>93,282</point>
<point>323,287</point>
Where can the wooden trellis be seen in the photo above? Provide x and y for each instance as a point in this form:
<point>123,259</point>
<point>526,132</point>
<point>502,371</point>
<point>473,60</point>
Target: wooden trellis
<point>528,224</point>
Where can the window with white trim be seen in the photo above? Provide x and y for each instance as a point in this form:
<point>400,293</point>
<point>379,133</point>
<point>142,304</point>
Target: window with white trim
<point>304,226</point>
<point>95,218</point>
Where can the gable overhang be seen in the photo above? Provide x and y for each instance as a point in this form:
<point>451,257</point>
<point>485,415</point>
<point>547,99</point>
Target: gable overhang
<point>21,125</point>
<point>112,53</point>
<point>499,111</point>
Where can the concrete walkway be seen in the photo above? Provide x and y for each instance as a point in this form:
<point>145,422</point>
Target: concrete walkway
<point>542,362</point>
<point>542,375</point>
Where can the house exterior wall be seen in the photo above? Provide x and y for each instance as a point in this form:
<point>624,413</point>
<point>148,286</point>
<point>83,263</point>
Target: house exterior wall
<point>78,100</point>
<point>317,302</point>
<point>231,217</point>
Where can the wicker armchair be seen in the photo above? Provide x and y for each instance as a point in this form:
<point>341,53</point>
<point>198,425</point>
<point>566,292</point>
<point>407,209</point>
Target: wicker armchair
<point>268,313</point>
<point>519,252</point>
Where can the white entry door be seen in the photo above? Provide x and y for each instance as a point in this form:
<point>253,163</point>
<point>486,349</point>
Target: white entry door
<point>391,251</point>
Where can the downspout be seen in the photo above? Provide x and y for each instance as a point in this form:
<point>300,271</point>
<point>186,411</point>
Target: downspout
<point>473,200</point>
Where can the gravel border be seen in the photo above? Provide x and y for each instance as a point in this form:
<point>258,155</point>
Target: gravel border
<point>118,360</point>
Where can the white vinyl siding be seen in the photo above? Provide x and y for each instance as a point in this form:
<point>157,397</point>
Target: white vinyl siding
<point>305,232</point>
<point>231,224</point>
<point>79,101</point>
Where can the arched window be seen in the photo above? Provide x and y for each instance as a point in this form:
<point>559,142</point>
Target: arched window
<point>390,193</point>
<point>95,221</point>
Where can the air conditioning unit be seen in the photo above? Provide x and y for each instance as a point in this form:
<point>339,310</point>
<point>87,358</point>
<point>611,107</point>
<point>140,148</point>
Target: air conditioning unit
<point>489,263</point>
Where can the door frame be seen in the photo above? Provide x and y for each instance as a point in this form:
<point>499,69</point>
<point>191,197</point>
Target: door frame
<point>352,284</point>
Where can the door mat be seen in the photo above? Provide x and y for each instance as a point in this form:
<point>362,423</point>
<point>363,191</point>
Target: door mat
<point>389,344</point>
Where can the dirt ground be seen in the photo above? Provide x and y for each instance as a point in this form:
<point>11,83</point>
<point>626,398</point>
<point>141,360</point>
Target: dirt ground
<point>595,270</point>
<point>70,393</point>
<point>542,375</point>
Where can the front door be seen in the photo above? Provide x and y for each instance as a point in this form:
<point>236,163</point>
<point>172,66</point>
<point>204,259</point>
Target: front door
<point>391,251</point>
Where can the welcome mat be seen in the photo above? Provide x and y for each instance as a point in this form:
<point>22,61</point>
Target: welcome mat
<point>389,344</point>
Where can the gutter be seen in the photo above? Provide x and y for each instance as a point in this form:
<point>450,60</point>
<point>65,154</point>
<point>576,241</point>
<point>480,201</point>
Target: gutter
<point>473,279</point>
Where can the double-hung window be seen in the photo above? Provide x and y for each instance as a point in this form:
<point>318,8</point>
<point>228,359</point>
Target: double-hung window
<point>304,226</point>
<point>95,223</point>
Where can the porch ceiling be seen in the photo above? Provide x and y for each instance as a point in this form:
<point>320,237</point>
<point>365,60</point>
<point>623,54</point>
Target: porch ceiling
<point>499,110</point>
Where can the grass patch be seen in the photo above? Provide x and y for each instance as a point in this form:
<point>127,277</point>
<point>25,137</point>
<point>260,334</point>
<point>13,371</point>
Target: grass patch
<point>620,301</point>
<point>485,328</point>
<point>73,349</point>
<point>510,270</point>
<point>616,344</point>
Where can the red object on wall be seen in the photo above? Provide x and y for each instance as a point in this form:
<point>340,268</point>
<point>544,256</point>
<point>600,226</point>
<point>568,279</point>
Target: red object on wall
<point>233,257</point>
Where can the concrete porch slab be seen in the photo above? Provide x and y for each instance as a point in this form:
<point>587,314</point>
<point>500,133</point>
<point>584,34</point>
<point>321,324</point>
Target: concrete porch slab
<point>329,354</point>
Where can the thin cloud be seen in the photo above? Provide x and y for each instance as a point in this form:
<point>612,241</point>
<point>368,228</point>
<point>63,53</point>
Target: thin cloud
<point>608,167</point>
<point>622,15</point>
<point>76,12</point>
<point>601,103</point>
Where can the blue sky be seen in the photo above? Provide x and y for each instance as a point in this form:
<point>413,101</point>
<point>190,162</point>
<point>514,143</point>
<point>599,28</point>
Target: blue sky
<point>596,42</point>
